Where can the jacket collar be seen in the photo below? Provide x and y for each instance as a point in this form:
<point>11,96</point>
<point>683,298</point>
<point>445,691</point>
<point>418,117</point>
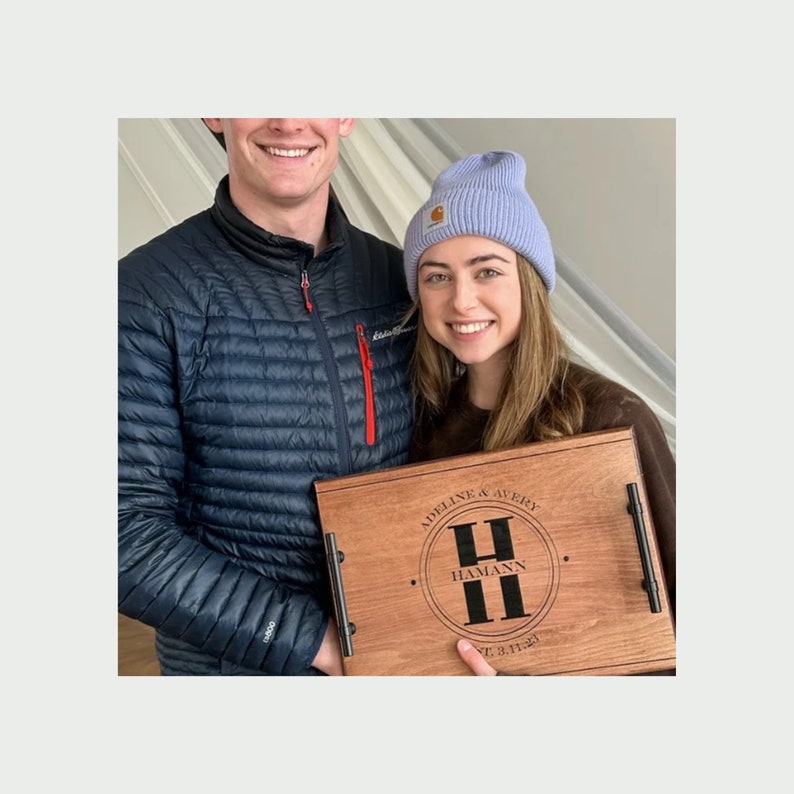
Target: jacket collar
<point>273,250</point>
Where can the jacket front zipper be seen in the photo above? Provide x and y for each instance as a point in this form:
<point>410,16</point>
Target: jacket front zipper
<point>369,397</point>
<point>345,458</point>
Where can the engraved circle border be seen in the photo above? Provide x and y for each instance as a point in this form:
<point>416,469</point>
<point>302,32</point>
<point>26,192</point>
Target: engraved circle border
<point>535,525</point>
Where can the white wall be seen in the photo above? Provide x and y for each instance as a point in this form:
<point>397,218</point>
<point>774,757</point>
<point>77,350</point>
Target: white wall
<point>161,181</point>
<point>138,218</point>
<point>606,190</point>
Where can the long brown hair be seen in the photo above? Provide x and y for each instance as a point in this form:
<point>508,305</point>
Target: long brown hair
<point>538,400</point>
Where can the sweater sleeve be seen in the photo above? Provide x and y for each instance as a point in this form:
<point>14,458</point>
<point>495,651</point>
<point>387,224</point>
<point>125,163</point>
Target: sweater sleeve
<point>166,577</point>
<point>619,407</point>
<point>658,470</point>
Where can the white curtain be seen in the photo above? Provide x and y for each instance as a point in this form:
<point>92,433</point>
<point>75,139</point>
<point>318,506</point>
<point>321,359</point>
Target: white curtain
<point>385,173</point>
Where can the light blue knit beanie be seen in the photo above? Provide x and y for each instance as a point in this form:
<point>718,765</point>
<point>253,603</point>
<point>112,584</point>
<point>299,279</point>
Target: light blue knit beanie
<point>484,195</point>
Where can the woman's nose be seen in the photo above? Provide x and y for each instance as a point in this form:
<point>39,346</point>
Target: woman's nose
<point>465,295</point>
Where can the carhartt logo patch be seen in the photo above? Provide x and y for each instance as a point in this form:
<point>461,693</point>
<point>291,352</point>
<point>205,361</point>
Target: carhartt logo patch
<point>435,217</point>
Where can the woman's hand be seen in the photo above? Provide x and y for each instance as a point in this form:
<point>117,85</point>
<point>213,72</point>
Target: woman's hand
<point>474,659</point>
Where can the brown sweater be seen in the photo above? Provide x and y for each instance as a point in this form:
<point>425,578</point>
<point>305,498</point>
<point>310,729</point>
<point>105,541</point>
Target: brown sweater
<point>608,405</point>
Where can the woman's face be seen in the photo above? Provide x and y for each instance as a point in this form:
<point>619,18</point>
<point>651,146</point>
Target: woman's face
<point>471,299</point>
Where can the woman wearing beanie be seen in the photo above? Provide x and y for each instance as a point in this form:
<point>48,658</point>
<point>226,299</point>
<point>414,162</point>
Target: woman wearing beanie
<point>491,369</point>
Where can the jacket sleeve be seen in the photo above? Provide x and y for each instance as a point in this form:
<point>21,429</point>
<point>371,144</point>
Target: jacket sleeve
<point>166,577</point>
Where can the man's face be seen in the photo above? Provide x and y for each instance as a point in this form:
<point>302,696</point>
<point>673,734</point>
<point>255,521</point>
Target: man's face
<point>280,161</point>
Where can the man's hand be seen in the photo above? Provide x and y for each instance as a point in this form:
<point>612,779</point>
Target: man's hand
<point>474,659</point>
<point>329,657</point>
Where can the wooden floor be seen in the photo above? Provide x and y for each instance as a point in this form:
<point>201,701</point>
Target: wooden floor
<point>136,648</point>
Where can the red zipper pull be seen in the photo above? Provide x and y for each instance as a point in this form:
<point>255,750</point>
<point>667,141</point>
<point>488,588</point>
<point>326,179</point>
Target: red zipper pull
<point>363,347</point>
<point>369,395</point>
<point>305,288</point>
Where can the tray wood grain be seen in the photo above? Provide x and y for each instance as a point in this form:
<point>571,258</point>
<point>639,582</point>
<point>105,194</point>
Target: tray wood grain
<point>531,554</point>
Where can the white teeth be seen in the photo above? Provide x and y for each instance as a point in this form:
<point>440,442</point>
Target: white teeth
<point>286,152</point>
<point>468,328</point>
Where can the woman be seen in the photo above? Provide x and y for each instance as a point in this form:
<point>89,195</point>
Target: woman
<point>490,368</point>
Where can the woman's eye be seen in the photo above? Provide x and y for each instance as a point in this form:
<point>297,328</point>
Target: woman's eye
<point>487,272</point>
<point>435,278</point>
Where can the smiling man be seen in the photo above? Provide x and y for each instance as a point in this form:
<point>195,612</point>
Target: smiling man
<point>280,171</point>
<point>260,349</point>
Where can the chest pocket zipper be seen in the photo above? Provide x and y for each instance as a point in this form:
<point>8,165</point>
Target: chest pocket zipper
<point>369,396</point>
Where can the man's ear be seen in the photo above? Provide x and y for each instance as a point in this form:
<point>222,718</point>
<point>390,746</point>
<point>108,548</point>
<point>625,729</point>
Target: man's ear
<point>346,127</point>
<point>215,126</point>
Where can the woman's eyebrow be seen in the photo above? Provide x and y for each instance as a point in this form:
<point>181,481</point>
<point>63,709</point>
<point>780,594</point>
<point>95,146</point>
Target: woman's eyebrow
<point>475,260</point>
<point>486,258</point>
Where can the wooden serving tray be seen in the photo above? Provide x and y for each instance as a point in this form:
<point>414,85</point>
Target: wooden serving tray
<point>534,554</point>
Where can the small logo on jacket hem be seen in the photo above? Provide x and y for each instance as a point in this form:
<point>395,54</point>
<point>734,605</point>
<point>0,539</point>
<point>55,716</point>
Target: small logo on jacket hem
<point>269,632</point>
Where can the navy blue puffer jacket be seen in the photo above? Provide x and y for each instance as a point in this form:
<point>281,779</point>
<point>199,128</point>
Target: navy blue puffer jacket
<point>247,370</point>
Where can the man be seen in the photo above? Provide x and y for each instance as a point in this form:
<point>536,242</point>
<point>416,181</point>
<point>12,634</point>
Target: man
<point>259,351</point>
